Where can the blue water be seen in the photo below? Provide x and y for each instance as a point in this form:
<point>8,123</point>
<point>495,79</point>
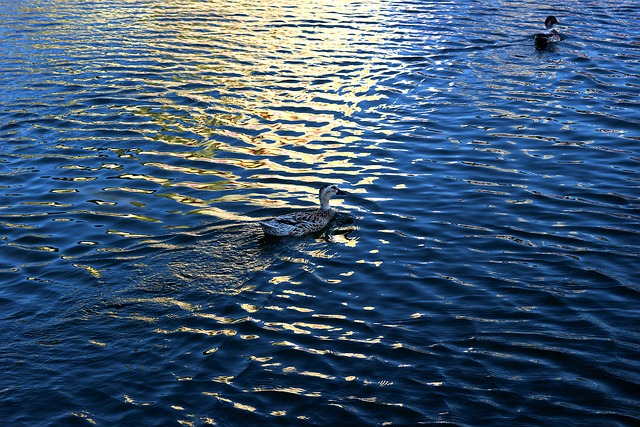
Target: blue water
<point>483,270</point>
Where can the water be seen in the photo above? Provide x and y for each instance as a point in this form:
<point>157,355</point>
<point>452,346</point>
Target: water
<point>483,272</point>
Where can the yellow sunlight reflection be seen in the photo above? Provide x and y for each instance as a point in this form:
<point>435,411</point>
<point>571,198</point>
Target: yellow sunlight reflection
<point>270,89</point>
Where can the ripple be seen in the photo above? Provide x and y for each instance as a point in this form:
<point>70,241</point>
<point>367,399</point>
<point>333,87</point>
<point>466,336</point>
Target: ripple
<point>485,262</point>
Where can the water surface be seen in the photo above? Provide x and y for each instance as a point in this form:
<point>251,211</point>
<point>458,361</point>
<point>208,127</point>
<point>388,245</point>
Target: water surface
<point>483,270</point>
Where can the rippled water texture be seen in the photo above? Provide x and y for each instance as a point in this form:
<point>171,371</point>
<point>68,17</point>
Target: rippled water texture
<point>483,271</point>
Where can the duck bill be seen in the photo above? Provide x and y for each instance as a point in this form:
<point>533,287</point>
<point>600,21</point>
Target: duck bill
<point>342,193</point>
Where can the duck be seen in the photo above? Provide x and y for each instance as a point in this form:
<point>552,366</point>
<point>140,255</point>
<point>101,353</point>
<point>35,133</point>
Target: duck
<point>542,40</point>
<point>304,222</point>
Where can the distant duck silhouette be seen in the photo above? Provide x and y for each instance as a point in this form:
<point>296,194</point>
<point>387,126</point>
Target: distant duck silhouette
<point>305,222</point>
<point>543,40</point>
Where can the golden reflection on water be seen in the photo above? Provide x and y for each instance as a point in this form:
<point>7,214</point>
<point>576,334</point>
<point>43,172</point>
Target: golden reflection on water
<point>233,95</point>
<point>249,88</point>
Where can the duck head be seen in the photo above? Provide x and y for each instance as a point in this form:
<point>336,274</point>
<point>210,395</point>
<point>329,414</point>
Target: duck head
<point>327,191</point>
<point>550,22</point>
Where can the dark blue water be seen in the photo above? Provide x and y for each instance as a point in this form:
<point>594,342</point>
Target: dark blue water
<point>483,270</point>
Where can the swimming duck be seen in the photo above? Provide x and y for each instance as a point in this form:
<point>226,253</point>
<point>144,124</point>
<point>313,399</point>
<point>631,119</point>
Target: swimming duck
<point>542,40</point>
<point>305,222</point>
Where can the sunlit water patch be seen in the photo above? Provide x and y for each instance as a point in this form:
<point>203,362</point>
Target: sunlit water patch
<point>481,271</point>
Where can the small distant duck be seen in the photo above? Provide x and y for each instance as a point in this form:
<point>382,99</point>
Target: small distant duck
<point>542,40</point>
<point>305,222</point>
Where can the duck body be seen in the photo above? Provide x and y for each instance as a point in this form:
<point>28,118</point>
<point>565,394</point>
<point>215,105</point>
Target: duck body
<point>305,222</point>
<point>551,35</point>
<point>298,223</point>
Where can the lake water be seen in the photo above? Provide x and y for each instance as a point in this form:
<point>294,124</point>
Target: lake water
<point>482,271</point>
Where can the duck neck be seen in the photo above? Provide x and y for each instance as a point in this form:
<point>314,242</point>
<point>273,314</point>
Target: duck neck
<point>324,204</point>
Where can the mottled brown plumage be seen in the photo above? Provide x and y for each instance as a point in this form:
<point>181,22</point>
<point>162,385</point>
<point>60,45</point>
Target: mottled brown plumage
<point>301,223</point>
